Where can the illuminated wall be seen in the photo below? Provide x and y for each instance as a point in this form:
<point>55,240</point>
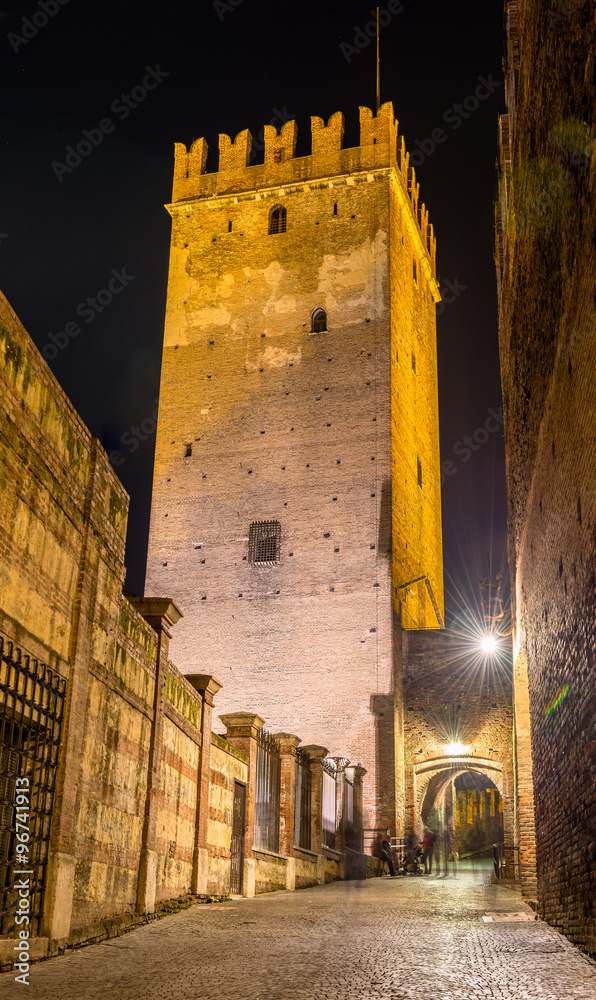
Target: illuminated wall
<point>332,434</point>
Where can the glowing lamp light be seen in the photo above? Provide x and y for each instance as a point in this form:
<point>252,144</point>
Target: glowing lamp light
<point>456,749</point>
<point>489,644</point>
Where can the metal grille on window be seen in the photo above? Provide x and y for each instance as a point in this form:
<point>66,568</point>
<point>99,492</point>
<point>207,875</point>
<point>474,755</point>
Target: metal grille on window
<point>329,778</point>
<point>31,711</point>
<point>264,543</point>
<point>267,793</point>
<point>302,806</point>
<point>277,219</point>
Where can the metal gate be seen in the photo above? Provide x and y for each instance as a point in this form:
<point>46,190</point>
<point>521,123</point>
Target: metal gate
<point>237,845</point>
<point>31,709</point>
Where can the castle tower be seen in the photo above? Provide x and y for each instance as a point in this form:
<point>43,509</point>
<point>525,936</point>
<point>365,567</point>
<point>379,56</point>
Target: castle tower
<point>296,497</point>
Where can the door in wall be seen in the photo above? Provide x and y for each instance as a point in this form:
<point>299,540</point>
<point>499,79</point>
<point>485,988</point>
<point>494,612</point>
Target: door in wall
<point>237,845</point>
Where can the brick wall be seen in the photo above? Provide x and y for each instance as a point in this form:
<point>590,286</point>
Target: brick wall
<point>546,270</point>
<point>61,572</point>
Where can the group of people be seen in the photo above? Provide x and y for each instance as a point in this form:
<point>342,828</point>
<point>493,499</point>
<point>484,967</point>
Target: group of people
<point>416,853</point>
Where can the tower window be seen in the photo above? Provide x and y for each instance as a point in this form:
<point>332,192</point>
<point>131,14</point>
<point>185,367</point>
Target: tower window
<point>413,362</point>
<point>187,450</point>
<point>230,226</point>
<point>264,543</point>
<point>419,471</point>
<point>414,270</point>
<point>277,219</point>
<point>335,208</point>
<point>318,321</point>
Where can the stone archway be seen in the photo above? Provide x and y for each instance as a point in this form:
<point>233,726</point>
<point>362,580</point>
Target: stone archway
<point>433,777</point>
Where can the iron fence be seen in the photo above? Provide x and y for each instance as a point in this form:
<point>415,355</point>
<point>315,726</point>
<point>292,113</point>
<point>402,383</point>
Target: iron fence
<point>302,809</point>
<point>267,793</point>
<point>31,712</point>
<point>329,779</point>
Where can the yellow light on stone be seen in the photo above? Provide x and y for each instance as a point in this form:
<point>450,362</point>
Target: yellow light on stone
<point>456,749</point>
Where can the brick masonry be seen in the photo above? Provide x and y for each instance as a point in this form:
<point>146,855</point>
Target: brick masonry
<point>546,269</point>
<point>262,418</point>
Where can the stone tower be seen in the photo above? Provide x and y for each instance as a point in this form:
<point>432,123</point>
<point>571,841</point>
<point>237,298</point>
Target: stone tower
<point>296,497</point>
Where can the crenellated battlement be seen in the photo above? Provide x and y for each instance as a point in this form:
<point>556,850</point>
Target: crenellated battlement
<point>381,146</point>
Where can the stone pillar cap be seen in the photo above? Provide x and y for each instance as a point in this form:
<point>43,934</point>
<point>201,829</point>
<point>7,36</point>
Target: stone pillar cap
<point>358,770</point>
<point>286,740</point>
<point>157,607</point>
<point>204,682</point>
<point>315,751</point>
<point>242,720</point>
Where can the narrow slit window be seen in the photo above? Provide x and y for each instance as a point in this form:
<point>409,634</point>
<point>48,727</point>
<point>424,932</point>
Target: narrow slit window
<point>335,208</point>
<point>230,226</point>
<point>277,219</point>
<point>414,271</point>
<point>413,362</point>
<point>187,450</point>
<point>264,543</point>
<point>318,321</point>
<point>419,471</point>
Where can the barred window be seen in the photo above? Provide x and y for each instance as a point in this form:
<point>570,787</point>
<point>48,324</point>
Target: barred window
<point>264,543</point>
<point>277,219</point>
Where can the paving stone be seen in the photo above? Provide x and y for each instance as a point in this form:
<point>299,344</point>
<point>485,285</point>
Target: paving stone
<point>383,939</point>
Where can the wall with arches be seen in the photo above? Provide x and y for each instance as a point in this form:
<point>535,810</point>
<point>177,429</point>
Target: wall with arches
<point>450,696</point>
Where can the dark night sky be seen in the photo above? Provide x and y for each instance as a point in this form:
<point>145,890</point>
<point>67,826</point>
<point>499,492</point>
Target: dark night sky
<point>60,239</point>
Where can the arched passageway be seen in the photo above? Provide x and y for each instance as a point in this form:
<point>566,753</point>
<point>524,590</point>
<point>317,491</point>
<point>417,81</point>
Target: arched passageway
<point>462,799</point>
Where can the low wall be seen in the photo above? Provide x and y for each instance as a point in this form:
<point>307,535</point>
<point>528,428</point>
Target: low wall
<point>228,765</point>
<point>270,871</point>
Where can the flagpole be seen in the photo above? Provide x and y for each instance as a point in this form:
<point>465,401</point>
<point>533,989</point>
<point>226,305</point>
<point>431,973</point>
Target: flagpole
<point>378,66</point>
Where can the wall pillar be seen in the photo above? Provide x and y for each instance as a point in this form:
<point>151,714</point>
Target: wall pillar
<point>317,755</point>
<point>340,798</point>
<point>160,613</point>
<point>287,802</point>
<point>207,686</point>
<point>524,819</point>
<point>358,773</point>
<point>242,729</point>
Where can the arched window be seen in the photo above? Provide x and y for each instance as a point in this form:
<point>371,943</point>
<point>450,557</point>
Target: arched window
<point>277,219</point>
<point>318,321</point>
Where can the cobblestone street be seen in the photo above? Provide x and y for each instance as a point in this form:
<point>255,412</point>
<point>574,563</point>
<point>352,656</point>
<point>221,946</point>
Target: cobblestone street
<point>401,939</point>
